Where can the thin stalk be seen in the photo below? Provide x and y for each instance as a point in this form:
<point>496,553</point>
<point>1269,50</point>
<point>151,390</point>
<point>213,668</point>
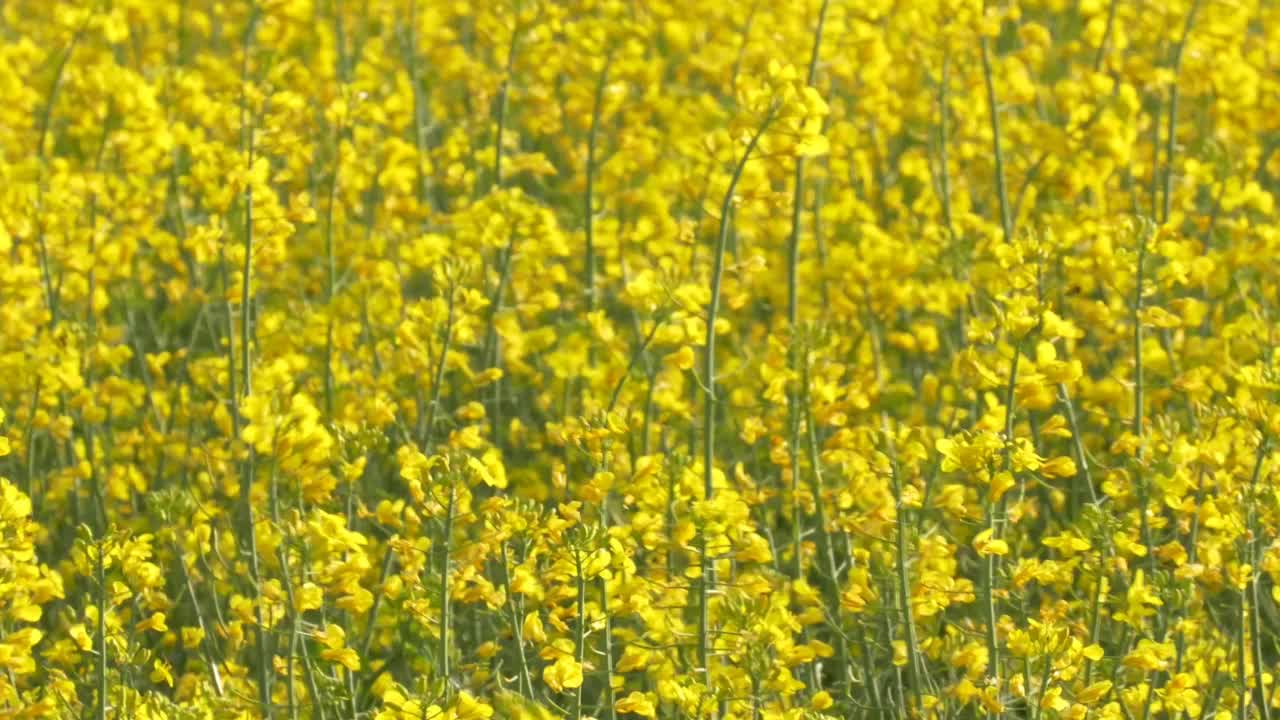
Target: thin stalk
<point>708,421</point>
<point>1242,701</point>
<point>1083,475</point>
<point>610,697</point>
<point>826,550</point>
<point>419,105</point>
<point>944,132</point>
<point>330,281</point>
<point>1138,405</point>
<point>588,200</point>
<point>445,615</point>
<point>903,573</point>
<point>1171,132</point>
<point>1255,626</point>
<point>1106,36</point>
<point>517,627</point>
<point>995,517</point>
<point>1002,193</point>
<point>46,116</point>
<point>206,641</point>
<point>246,386</point>
<point>580,629</point>
<point>793,323</point>
<point>388,562</point>
<point>503,96</point>
<point>437,380</point>
<point>100,571</point>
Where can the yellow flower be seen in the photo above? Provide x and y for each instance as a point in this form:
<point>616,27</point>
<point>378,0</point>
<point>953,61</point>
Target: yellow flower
<point>636,703</point>
<point>160,673</point>
<point>344,656</point>
<point>563,674</point>
<point>156,623</point>
<point>192,637</point>
<point>986,545</point>
<point>469,708</point>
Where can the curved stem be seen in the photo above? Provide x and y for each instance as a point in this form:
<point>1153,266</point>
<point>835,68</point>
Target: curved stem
<point>1002,193</point>
<point>588,200</point>
<point>709,380</point>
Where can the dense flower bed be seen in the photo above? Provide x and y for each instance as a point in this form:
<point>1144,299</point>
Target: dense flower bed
<point>397,359</point>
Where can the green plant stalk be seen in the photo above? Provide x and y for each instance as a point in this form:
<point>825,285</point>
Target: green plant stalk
<point>1138,406</point>
<point>493,352</point>
<point>1154,189</point>
<point>1106,36</point>
<point>206,642</point>
<point>419,106</point>
<point>1083,474</point>
<point>877,352</point>
<point>330,282</point>
<point>503,96</point>
<point>1255,625</point>
<point>995,517</point>
<point>1180,642</point>
<point>1242,702</point>
<point>437,380</point>
<point>340,43</point>
<point>902,572</point>
<point>793,323</point>
<point>610,695</point>
<point>1002,193</point>
<point>46,116</point>
<point>517,629</point>
<point>826,549</point>
<point>446,618</point>
<point>246,388</point>
<point>580,629</point>
<point>294,631</point>
<point>708,422</point>
<point>944,132</point>
<point>588,200</point>
<point>1171,132</point>
<point>100,571</point>
<point>388,562</point>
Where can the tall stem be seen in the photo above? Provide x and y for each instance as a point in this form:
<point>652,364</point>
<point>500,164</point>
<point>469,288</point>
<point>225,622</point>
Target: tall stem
<point>588,200</point>
<point>793,322</point>
<point>1263,698</point>
<point>246,380</point>
<point>1171,134</point>
<point>709,384</point>
<point>1002,192</point>
<point>102,630</point>
<point>446,618</point>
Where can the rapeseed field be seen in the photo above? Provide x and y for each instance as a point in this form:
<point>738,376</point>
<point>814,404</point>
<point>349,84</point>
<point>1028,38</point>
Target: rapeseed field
<point>701,359</point>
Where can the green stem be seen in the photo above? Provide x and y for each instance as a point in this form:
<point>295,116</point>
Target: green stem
<point>903,574</point>
<point>1171,132</point>
<point>102,631</point>
<point>588,200</point>
<point>1002,193</point>
<point>793,323</point>
<point>580,639</point>
<point>1255,626</point>
<point>445,614</point>
<point>708,421</point>
<point>503,96</point>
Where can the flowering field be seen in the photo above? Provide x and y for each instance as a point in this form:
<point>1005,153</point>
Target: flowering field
<point>790,359</point>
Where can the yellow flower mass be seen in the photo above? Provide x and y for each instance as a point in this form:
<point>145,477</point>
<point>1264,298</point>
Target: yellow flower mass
<point>596,359</point>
